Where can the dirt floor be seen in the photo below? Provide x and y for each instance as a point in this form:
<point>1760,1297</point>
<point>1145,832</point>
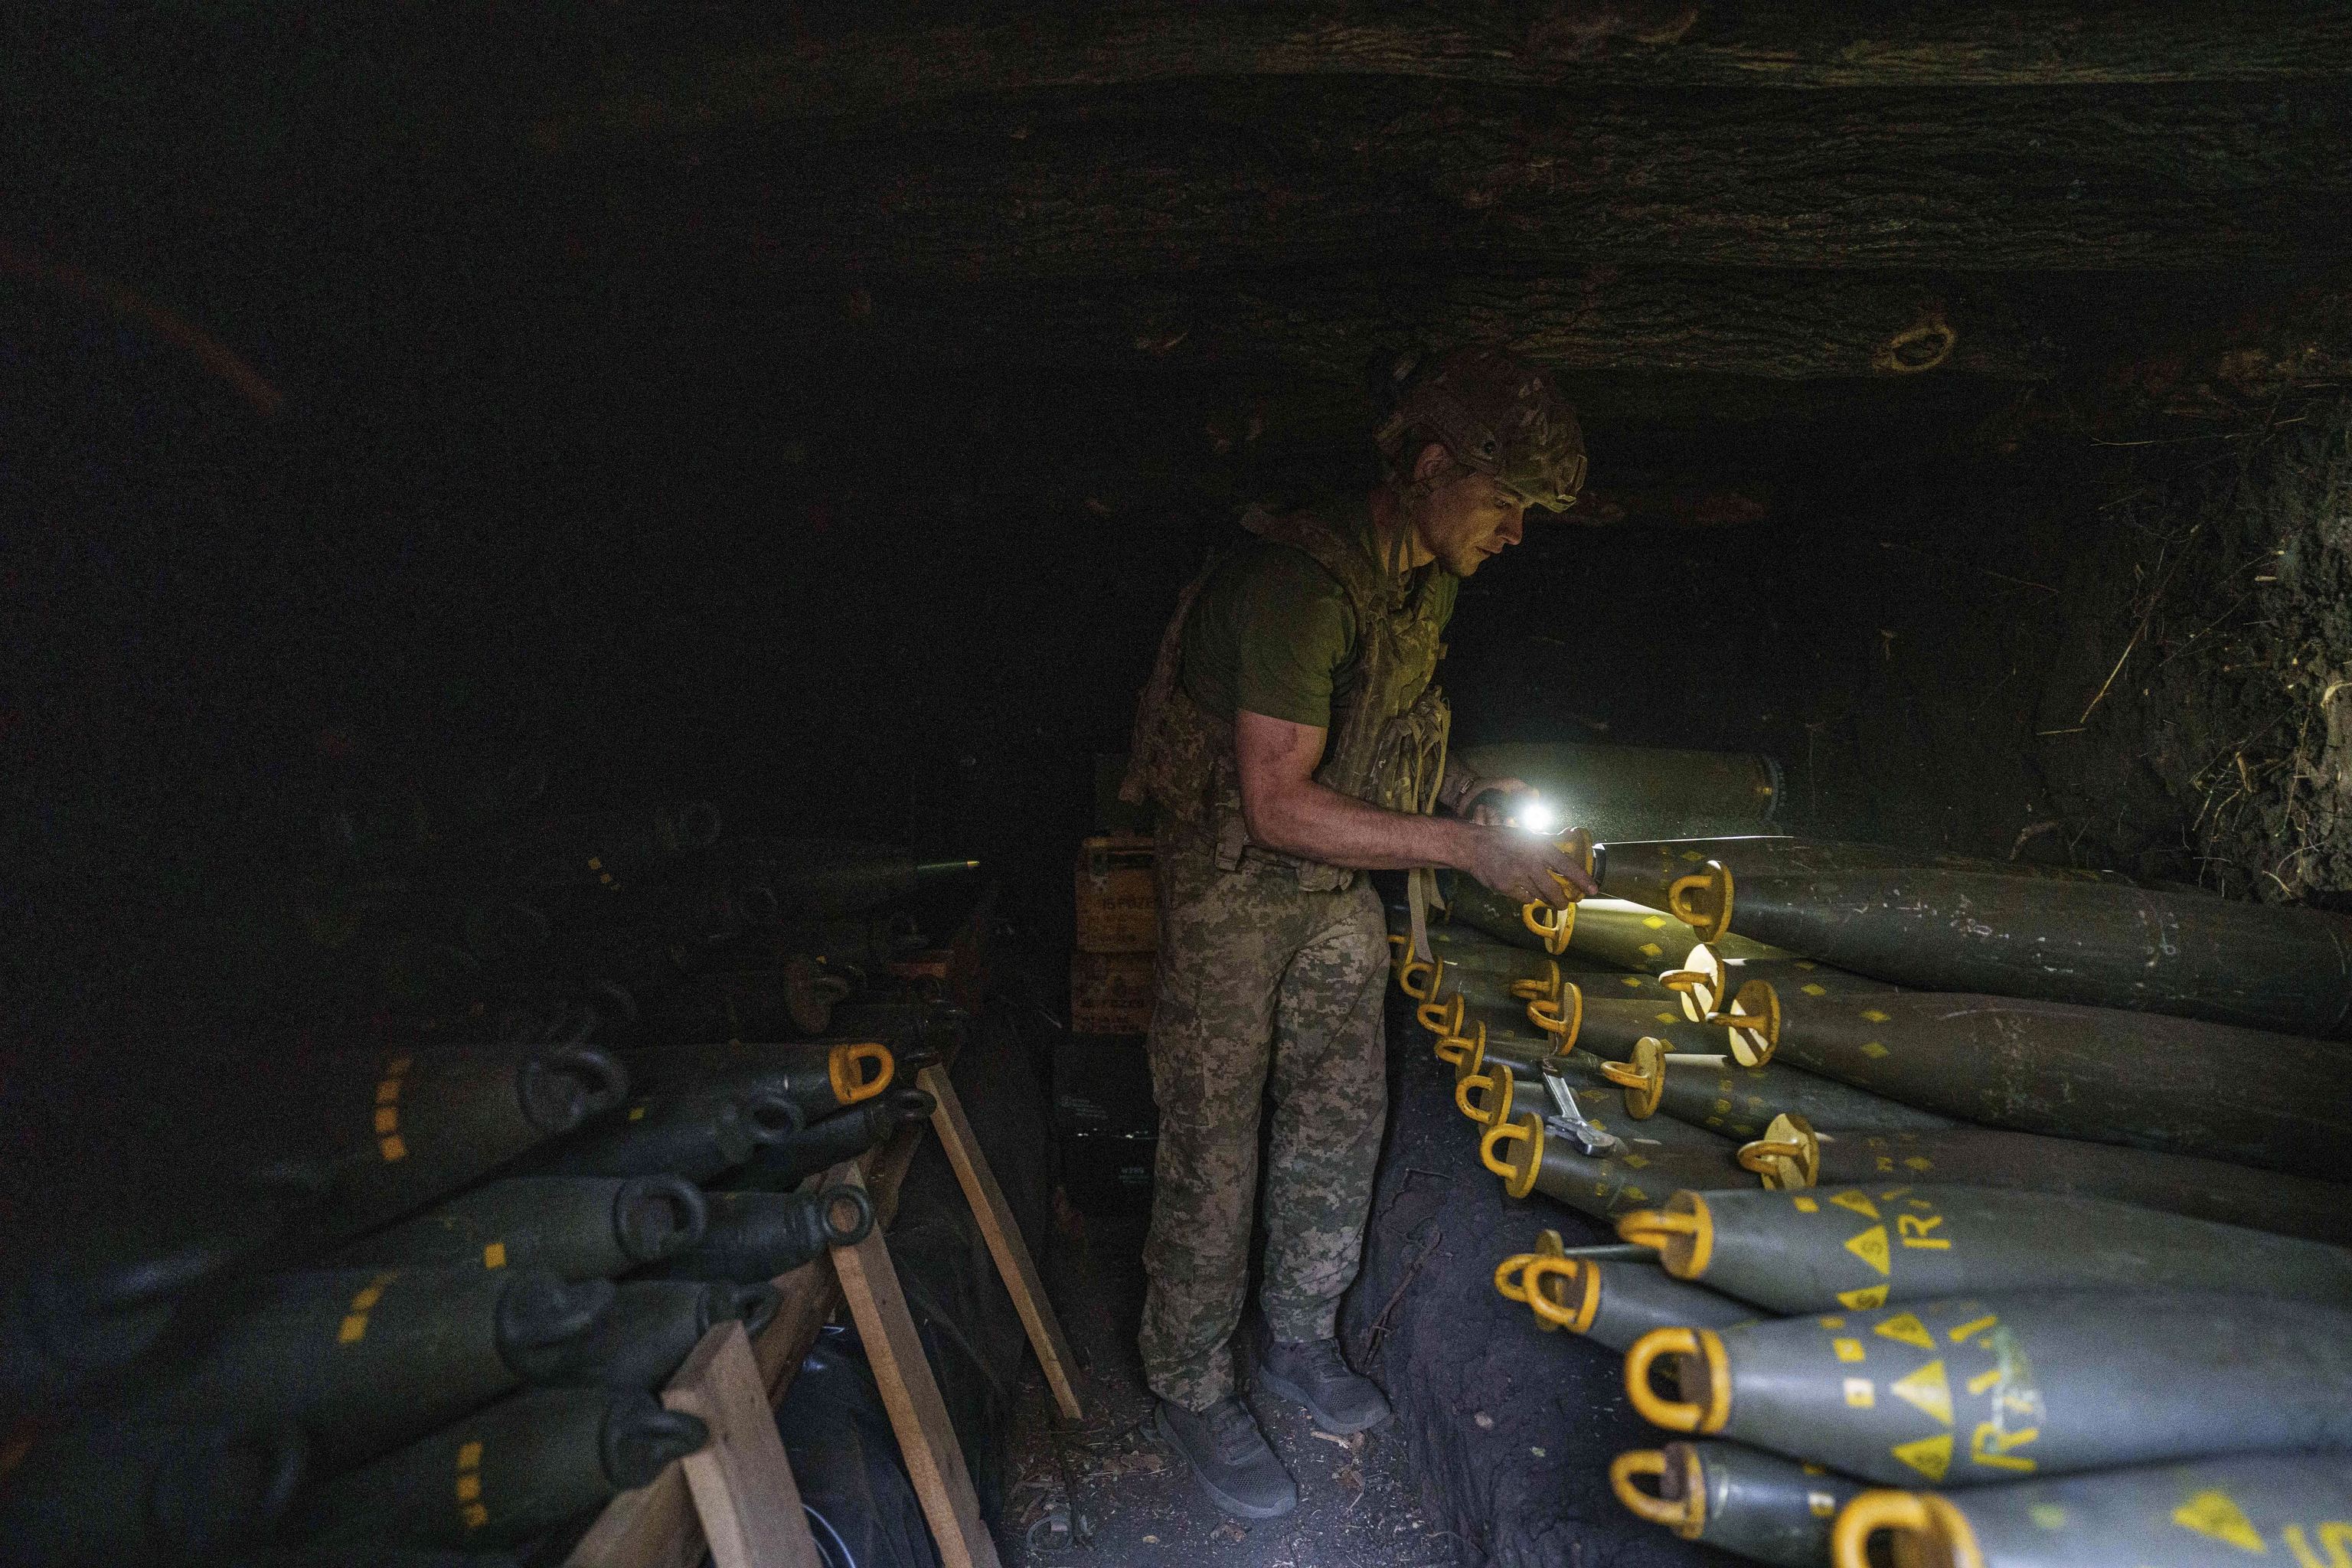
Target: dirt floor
<point>1105,1492</point>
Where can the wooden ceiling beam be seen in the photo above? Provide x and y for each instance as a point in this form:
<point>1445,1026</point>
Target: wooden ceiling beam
<point>757,68</point>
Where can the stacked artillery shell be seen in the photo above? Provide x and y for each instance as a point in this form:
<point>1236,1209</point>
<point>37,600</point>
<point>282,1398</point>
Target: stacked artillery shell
<point>1626,791</point>
<point>1971,1391</point>
<point>786,1162</point>
<point>653,1325</point>
<point>133,1491</point>
<point>697,1136</point>
<point>819,876</point>
<point>1605,931</point>
<point>1858,1248</point>
<point>1719,1094</point>
<point>756,1235</point>
<point>821,1076</point>
<point>2137,1079</point>
<point>1644,871</point>
<point>1530,1159</point>
<point>580,1228</point>
<point>504,1474</point>
<point>368,1359</point>
<point>401,1129</point>
<point>1754,1504</point>
<point>1613,1301</point>
<point>2097,944</point>
<point>1983,1156</point>
<point>2209,1513</point>
<point>110,1301</point>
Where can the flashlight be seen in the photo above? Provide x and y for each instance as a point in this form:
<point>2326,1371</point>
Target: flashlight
<point>1536,814</point>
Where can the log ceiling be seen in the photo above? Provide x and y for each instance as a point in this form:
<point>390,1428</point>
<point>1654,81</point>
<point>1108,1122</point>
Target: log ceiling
<point>1784,190</point>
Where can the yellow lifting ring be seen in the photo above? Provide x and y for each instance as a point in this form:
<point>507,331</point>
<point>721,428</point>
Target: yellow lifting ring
<point>1704,1346</point>
<point>1551,1303</point>
<point>1702,900</point>
<point>1507,1273</point>
<point>1436,971</point>
<point>1683,1234</point>
<point>1917,1514</point>
<point>1787,1156</point>
<point>1644,1079</point>
<point>1510,1274</point>
<point>1555,926</point>
<point>1685,1515</point>
<point>1400,946</point>
<point>1563,1019</point>
<point>1518,1179</point>
<point>846,1064</point>
<point>1454,1049</point>
<point>1494,1090</point>
<point>1917,348</point>
<point>1754,1022</point>
<point>1544,990</point>
<point>1443,1019</point>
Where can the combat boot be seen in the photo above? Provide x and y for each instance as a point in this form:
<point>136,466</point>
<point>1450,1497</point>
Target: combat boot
<point>1230,1457</point>
<point>1312,1373</point>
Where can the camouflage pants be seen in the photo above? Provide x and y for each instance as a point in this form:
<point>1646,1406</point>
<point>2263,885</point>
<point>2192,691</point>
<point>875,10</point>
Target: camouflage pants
<point>1263,986</point>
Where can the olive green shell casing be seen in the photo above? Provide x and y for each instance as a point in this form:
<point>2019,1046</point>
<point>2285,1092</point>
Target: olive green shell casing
<point>2096,1073</point>
<point>1855,1247</point>
<point>507,1472</point>
<point>2262,966</point>
<point>582,1227</point>
<point>1974,1391</point>
<point>2207,1513</point>
<point>1757,1505</point>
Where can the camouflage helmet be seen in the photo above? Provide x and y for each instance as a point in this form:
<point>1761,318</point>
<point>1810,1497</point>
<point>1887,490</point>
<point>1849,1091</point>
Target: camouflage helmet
<point>1499,415</point>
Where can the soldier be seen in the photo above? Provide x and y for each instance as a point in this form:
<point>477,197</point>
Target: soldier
<point>1292,739</point>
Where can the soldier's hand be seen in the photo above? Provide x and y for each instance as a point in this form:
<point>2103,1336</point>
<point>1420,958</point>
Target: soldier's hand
<point>1528,869</point>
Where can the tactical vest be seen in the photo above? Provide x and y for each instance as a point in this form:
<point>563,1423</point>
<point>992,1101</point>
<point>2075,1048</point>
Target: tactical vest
<point>1386,744</point>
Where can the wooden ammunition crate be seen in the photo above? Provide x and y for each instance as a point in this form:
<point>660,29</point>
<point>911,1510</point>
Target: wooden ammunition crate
<point>1117,910</point>
<point>1110,993</point>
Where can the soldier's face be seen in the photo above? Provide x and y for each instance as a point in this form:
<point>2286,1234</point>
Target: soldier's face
<point>1468,520</point>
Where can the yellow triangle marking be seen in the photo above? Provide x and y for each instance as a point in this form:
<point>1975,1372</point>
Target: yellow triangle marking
<point>1873,1049</point>
<point>1931,1456</point>
<point>1927,1390</point>
<point>1858,1202</point>
<point>1906,1329</point>
<point>2212,1514</point>
<point>1863,1299</point>
<point>1667,1017</point>
<point>1633,980</point>
<point>1873,1016</point>
<point>1918,1163</point>
<point>1806,1205</point>
<point>1655,922</point>
<point>1693,856</point>
<point>1649,950</point>
<point>1810,989</point>
<point>1871,1247</point>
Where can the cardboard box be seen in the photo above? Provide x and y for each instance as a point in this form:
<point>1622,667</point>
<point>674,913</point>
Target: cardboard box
<point>1110,993</point>
<point>1108,1173</point>
<point>1102,1083</point>
<point>1117,911</point>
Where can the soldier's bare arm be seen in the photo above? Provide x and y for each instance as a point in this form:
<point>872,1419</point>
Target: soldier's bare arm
<point>1286,810</point>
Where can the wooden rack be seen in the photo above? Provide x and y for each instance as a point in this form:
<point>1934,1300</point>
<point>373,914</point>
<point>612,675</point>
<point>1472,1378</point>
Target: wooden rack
<point>737,1495</point>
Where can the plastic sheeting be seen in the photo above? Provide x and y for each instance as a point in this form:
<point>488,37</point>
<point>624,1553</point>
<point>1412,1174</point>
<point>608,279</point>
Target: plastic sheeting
<point>1511,1430</point>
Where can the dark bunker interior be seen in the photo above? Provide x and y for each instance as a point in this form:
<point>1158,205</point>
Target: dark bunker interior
<point>581,985</point>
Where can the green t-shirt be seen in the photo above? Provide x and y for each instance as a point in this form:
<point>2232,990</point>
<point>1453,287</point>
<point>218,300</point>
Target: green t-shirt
<point>1272,632</point>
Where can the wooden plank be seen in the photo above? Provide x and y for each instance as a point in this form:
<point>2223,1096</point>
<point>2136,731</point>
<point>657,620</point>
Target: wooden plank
<point>744,1489</point>
<point>926,1439</point>
<point>655,1526</point>
<point>1004,1241</point>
